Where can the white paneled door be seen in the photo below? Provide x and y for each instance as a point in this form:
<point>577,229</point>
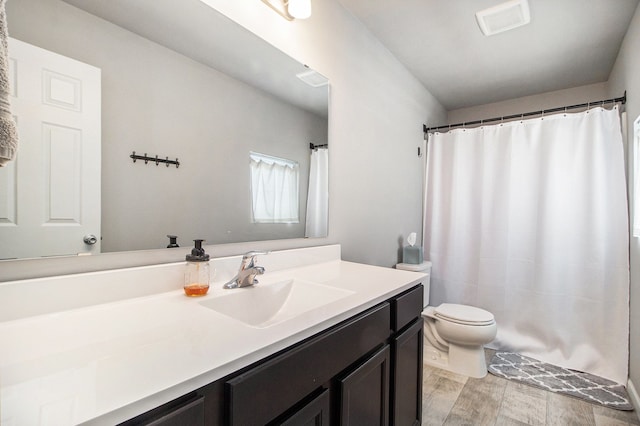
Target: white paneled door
<point>50,196</point>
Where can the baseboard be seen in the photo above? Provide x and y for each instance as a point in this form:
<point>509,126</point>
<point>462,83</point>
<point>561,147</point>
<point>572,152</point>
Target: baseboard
<point>633,396</point>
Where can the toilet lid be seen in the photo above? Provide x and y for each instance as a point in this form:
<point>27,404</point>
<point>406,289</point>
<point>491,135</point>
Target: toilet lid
<point>464,314</point>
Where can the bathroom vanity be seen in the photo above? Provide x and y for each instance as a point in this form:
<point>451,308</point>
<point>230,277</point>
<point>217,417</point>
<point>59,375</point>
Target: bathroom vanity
<point>360,371</point>
<point>325,340</point>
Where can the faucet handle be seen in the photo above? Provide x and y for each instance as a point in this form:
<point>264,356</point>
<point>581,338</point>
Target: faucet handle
<point>252,254</point>
<point>249,257</point>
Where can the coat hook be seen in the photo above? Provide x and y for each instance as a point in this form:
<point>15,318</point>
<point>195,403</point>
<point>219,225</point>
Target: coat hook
<point>157,159</point>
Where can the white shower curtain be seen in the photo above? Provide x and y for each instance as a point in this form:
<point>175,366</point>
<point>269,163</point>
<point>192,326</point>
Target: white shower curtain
<point>528,220</point>
<point>318,196</point>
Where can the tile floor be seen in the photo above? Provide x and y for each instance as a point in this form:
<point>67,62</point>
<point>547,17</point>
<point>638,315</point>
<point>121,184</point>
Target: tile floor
<point>452,399</point>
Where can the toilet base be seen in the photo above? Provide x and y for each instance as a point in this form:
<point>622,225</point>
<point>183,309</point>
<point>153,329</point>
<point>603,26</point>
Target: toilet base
<point>466,360</point>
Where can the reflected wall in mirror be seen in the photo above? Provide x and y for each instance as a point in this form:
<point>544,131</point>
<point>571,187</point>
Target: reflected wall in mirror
<point>183,83</point>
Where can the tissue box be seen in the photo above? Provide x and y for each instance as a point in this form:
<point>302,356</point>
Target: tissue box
<point>413,255</point>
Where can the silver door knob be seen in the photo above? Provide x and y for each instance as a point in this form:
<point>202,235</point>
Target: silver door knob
<point>90,239</point>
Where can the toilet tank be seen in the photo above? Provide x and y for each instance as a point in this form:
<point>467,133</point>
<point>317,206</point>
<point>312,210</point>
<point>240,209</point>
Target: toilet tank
<point>425,268</point>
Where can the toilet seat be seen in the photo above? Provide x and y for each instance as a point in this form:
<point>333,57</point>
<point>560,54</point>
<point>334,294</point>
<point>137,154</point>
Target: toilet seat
<point>463,314</point>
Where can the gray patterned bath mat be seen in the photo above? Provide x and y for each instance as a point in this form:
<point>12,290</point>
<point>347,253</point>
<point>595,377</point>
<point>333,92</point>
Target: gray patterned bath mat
<point>585,386</point>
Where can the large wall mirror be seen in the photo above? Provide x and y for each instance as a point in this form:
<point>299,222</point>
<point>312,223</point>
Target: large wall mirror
<point>176,80</point>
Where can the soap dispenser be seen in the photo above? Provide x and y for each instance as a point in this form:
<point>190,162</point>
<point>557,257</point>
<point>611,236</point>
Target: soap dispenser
<point>196,276</point>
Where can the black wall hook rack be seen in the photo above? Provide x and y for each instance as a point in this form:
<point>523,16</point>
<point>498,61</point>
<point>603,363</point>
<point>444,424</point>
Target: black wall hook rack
<point>155,159</point>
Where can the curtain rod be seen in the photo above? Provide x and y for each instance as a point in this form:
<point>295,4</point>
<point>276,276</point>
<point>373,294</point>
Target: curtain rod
<point>312,146</point>
<point>622,100</point>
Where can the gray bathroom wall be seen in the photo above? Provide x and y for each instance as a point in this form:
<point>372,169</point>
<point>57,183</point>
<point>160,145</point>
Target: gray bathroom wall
<point>626,76</point>
<point>558,98</point>
<point>157,101</point>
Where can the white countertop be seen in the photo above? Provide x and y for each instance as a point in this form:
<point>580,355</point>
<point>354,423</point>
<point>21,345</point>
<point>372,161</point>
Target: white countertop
<point>106,363</point>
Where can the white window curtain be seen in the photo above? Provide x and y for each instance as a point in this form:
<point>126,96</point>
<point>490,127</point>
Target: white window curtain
<point>529,220</point>
<point>318,196</point>
<point>274,189</point>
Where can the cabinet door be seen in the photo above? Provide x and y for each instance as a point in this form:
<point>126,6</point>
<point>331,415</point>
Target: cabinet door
<point>406,375</point>
<point>180,412</point>
<point>313,413</point>
<point>364,393</point>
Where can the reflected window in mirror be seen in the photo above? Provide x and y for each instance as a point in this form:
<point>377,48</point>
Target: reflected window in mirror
<point>274,189</point>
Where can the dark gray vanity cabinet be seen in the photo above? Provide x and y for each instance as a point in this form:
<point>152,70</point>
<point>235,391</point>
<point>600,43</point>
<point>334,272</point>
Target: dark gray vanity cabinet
<point>406,350</point>
<point>365,370</point>
<point>269,390</point>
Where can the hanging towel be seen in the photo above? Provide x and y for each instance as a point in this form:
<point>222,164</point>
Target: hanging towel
<point>8,132</point>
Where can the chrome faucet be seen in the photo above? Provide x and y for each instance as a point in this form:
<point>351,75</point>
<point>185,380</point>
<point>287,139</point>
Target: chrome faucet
<point>246,276</point>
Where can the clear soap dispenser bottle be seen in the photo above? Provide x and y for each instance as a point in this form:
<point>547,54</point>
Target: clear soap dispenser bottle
<point>196,276</point>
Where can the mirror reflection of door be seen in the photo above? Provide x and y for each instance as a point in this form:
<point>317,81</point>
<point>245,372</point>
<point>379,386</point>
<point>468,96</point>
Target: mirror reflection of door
<point>58,112</point>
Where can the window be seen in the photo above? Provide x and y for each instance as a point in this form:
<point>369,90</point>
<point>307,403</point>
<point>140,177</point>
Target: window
<point>274,189</point>
<point>636,178</point>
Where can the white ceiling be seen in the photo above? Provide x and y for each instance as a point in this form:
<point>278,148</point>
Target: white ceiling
<point>568,43</point>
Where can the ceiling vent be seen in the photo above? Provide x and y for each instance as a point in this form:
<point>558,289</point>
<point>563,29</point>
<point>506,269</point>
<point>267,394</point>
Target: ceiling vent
<point>313,78</point>
<point>503,17</point>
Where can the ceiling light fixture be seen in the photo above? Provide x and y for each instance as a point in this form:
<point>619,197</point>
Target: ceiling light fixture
<point>290,9</point>
<point>299,9</point>
<point>503,17</point>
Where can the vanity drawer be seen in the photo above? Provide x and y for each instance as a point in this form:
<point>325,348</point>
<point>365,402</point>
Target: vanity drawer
<point>268,390</point>
<point>406,307</point>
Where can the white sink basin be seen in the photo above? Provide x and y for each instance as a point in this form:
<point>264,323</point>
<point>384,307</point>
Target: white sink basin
<point>265,305</point>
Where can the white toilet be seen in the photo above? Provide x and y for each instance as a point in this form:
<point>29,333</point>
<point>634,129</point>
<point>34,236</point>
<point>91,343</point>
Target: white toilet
<point>455,335</point>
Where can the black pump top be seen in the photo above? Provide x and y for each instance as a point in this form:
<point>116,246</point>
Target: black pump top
<point>197,253</point>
